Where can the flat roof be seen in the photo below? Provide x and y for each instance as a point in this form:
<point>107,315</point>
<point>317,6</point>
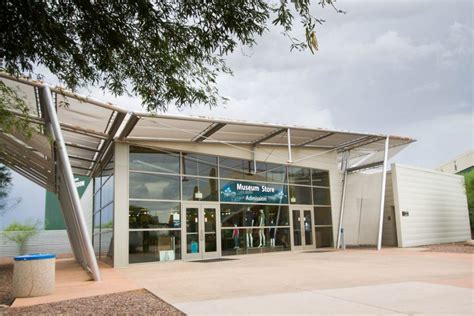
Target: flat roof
<point>90,126</point>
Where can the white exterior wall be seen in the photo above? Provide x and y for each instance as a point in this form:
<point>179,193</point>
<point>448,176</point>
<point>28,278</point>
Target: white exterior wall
<point>120,242</point>
<point>436,203</point>
<point>324,160</point>
<point>389,232</point>
<point>362,209</point>
<point>459,164</point>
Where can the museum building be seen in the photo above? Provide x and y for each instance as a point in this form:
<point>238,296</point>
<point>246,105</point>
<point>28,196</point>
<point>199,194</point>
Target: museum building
<point>174,187</point>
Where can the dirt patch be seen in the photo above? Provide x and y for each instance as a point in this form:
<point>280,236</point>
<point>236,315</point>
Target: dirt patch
<point>6,279</point>
<point>456,247</point>
<point>139,302</point>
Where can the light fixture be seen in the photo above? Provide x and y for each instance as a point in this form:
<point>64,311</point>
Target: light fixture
<point>293,199</point>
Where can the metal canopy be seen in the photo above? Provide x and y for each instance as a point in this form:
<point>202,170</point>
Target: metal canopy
<point>87,128</point>
<point>180,128</point>
<point>90,126</point>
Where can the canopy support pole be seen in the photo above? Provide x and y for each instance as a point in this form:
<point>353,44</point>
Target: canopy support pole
<point>382,194</point>
<point>288,133</point>
<point>77,227</point>
<point>344,161</point>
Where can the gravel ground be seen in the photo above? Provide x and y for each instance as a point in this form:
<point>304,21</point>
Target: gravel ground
<point>138,302</point>
<point>457,247</point>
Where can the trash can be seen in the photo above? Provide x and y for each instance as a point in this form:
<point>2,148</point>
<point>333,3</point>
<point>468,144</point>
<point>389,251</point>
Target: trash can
<point>33,275</point>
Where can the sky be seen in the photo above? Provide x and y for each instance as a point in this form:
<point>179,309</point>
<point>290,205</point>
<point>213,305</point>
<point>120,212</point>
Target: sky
<point>392,67</point>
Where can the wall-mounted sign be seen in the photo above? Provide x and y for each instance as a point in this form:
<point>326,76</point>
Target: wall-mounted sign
<point>248,192</point>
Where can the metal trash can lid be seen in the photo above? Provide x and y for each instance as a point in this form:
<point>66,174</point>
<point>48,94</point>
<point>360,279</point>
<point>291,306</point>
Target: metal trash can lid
<point>35,256</point>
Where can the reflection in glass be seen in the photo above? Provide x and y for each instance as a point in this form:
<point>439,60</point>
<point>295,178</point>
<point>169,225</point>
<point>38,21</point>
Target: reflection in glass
<point>308,228</point>
<point>207,187</point>
<point>296,227</point>
<point>210,220</point>
<point>192,230</point>
<point>247,215</point>
<point>324,237</point>
<point>106,246</point>
<point>107,191</point>
<point>299,175</point>
<point>148,246</point>
<point>144,159</point>
<point>152,186</point>
<point>320,178</point>
<point>244,169</point>
<point>322,216</point>
<point>233,240</point>
<point>199,165</point>
<point>107,217</point>
<point>321,196</point>
<point>96,244</point>
<point>148,214</point>
<point>300,195</point>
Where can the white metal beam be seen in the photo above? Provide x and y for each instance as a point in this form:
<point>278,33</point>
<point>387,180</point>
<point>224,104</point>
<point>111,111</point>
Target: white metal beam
<point>86,250</point>
<point>382,194</point>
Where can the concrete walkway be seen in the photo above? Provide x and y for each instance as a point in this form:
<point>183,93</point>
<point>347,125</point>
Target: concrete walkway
<point>354,281</point>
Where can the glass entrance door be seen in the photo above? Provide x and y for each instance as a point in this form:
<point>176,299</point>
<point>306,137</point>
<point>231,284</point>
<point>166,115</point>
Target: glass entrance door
<point>201,240</point>
<point>302,228</point>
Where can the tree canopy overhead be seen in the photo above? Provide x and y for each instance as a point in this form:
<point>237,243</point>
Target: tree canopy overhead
<point>166,52</point>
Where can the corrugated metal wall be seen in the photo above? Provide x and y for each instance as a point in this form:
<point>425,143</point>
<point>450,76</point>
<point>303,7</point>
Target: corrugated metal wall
<point>51,241</point>
<point>389,232</point>
<point>436,204</point>
<point>362,209</point>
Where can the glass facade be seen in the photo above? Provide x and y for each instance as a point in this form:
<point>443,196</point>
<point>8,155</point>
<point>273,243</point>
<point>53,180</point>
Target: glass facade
<point>103,217</point>
<point>253,203</point>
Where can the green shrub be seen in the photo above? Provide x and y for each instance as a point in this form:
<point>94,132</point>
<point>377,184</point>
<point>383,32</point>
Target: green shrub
<point>20,234</point>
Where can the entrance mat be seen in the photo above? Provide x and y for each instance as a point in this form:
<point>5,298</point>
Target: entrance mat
<point>213,260</point>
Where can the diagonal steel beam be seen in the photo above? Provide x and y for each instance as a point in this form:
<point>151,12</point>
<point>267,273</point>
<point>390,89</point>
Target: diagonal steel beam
<point>206,133</point>
<point>267,136</point>
<point>315,139</point>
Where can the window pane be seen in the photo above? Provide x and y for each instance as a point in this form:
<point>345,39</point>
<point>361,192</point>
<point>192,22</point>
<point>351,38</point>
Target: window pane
<point>97,201</point>
<point>200,165</point>
<point>324,237</point>
<point>107,191</point>
<point>206,186</point>
<point>322,216</point>
<point>320,178</point>
<point>107,247</point>
<point>248,215</point>
<point>235,168</point>
<point>232,215</point>
<point>276,173</point>
<point>144,159</point>
<point>300,195</point>
<point>96,223</point>
<point>148,246</point>
<point>240,241</point>
<point>321,196</point>
<point>96,244</point>
<point>152,186</point>
<point>147,214</point>
<point>299,175</point>
<point>107,217</point>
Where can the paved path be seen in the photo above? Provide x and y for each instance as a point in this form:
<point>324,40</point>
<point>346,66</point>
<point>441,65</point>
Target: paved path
<point>354,281</point>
